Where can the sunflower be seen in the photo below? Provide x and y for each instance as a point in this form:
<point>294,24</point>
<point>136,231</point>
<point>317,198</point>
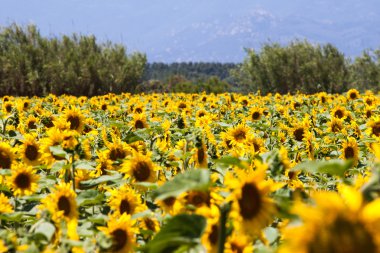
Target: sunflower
<point>31,122</point>
<point>238,134</point>
<point>104,164</point>
<point>76,119</point>
<point>139,121</point>
<point>140,169</point>
<point>211,235</point>
<point>335,125</point>
<point>353,94</point>
<point>6,156</point>
<point>238,243</point>
<point>299,132</point>
<point>7,107</point>
<point>23,181</point>
<point>118,150</point>
<point>3,247</point>
<point>149,223</point>
<point>5,206</point>
<point>123,233</point>
<point>252,208</point>
<point>30,149</point>
<point>339,222</point>
<point>374,127</point>
<point>200,156</point>
<point>339,112</point>
<point>350,150</point>
<point>61,203</point>
<point>255,113</point>
<point>54,138</point>
<point>125,200</point>
<point>170,205</point>
<point>201,113</point>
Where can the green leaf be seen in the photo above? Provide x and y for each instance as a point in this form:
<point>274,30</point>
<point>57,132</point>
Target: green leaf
<point>332,167</point>
<point>190,180</point>
<point>90,197</point>
<point>46,229</point>
<point>181,234</point>
<point>228,161</point>
<point>84,165</point>
<point>102,179</point>
<point>58,151</point>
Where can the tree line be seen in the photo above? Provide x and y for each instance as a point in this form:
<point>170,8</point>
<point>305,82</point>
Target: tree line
<point>31,64</point>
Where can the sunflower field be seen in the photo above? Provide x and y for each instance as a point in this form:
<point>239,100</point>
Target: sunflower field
<point>190,173</point>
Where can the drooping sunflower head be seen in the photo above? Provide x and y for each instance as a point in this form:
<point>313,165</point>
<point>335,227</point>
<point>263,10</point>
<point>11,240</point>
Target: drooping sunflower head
<point>54,138</point>
<point>140,169</point>
<point>122,230</point>
<point>75,118</point>
<point>335,125</point>
<point>23,180</point>
<point>61,203</point>
<point>337,223</point>
<point>353,94</point>
<point>125,200</point>
<point>6,156</point>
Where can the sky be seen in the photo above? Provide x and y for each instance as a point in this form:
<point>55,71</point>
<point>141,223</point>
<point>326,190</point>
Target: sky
<point>203,30</point>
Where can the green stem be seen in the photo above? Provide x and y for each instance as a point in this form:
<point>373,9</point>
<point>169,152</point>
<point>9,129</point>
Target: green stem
<point>73,170</point>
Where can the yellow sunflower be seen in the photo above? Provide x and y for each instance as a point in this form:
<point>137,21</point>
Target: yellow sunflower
<point>211,235</point>
<point>149,223</point>
<point>123,233</point>
<point>30,149</point>
<point>353,94</point>
<point>238,243</point>
<point>339,112</point>
<point>7,107</point>
<point>76,119</point>
<point>200,156</point>
<point>337,223</point>
<point>23,180</point>
<point>139,121</point>
<point>54,138</point>
<point>140,169</point>
<point>3,247</point>
<point>335,125</point>
<point>255,113</point>
<point>61,203</point>
<point>252,208</point>
<point>118,150</point>
<point>6,156</point>
<point>350,150</point>
<point>104,164</point>
<point>125,200</point>
<point>374,127</point>
<point>170,205</point>
<point>5,205</point>
<point>238,134</point>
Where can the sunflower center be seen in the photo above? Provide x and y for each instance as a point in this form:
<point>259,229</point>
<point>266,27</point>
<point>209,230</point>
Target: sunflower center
<point>104,107</point>
<point>213,236</point>
<point>169,201</point>
<point>335,127</point>
<point>201,114</point>
<point>5,160</point>
<point>124,207</point>
<point>139,124</point>
<point>353,95</point>
<point>339,114</point>
<point>138,110</point>
<point>343,236</point>
<point>376,129</point>
<point>32,124</point>
<point>236,248</point>
<point>23,181</point>
<point>256,115</point>
<point>31,152</point>
<point>299,134</point>
<point>117,153</point>
<point>291,175</point>
<point>8,108</point>
<point>150,224</point>
<point>198,198</point>
<point>74,122</point>
<point>200,155</point>
<point>250,202</point>
<point>256,147</point>
<point>368,113</point>
<point>120,238</point>
<point>141,171</point>
<point>239,135</point>
<point>349,152</point>
<point>64,205</point>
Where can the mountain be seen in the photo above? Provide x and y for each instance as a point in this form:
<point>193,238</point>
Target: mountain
<point>199,30</point>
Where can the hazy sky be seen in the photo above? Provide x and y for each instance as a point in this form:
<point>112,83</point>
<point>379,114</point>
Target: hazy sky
<point>171,30</point>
